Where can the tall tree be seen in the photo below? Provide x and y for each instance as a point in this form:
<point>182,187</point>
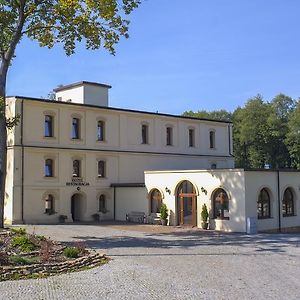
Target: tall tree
<point>293,136</point>
<point>99,23</point>
<point>221,114</point>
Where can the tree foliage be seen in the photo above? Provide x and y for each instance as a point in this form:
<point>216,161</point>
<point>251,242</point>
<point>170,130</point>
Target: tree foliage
<point>263,132</point>
<point>97,23</point>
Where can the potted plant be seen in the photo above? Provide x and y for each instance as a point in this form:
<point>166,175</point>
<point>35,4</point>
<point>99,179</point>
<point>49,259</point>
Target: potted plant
<point>62,218</point>
<point>164,214</point>
<point>96,217</point>
<point>204,216</point>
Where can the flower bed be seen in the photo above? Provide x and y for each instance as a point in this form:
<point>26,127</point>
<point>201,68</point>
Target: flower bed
<point>25,255</point>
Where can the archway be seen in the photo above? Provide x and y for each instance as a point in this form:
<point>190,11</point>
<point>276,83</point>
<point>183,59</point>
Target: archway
<point>77,207</point>
<point>186,204</point>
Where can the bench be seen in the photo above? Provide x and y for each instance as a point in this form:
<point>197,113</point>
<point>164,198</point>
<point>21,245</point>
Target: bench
<point>154,218</point>
<point>136,217</point>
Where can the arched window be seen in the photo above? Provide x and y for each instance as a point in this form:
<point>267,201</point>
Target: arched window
<point>49,204</point>
<point>156,201</point>
<point>49,168</point>
<point>48,126</point>
<point>101,168</point>
<point>76,168</point>
<point>100,131</point>
<point>102,204</point>
<point>212,139</point>
<point>263,205</point>
<point>288,203</point>
<point>75,128</point>
<point>220,204</point>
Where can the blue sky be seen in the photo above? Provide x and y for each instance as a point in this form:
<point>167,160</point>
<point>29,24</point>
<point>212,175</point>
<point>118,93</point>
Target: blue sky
<point>181,55</point>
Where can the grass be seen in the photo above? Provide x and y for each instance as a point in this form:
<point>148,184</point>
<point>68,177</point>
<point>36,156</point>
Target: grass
<point>71,252</point>
<point>21,261</point>
<point>23,243</point>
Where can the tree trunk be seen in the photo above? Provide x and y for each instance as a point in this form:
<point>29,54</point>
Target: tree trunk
<point>3,150</point>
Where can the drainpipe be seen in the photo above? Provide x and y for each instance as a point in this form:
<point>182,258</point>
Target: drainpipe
<point>22,158</point>
<point>279,202</point>
<point>114,203</point>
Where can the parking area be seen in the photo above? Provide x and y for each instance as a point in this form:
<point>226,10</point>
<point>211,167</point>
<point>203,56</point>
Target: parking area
<point>153,262</point>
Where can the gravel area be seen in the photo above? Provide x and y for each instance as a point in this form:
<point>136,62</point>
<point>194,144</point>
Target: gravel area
<point>171,264</point>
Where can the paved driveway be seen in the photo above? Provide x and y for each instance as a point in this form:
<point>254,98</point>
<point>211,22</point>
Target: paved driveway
<point>172,264</point>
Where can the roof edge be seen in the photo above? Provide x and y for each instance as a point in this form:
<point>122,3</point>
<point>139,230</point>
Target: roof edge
<point>79,83</point>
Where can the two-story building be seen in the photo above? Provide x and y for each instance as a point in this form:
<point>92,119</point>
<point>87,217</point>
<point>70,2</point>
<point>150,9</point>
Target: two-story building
<point>76,156</point>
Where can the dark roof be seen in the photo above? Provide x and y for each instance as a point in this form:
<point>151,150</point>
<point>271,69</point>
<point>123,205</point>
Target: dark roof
<point>118,109</point>
<point>69,86</point>
<point>127,185</point>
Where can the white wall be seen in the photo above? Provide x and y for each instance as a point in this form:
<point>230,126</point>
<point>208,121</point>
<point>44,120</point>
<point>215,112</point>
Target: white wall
<point>129,199</point>
<point>255,181</point>
<point>231,180</point>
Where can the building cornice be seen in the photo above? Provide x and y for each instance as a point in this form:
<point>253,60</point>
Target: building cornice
<point>54,102</point>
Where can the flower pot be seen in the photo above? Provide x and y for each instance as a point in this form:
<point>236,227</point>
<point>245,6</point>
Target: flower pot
<point>204,225</point>
<point>164,222</point>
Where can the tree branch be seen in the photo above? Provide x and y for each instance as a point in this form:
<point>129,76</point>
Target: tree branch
<point>18,33</point>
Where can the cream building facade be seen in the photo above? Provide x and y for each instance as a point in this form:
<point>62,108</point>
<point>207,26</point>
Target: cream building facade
<point>76,156</point>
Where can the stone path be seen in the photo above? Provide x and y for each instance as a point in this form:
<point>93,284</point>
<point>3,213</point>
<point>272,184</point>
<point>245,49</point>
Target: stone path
<point>176,264</point>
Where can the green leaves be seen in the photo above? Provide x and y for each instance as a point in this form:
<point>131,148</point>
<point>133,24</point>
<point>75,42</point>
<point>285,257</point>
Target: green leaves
<point>98,23</point>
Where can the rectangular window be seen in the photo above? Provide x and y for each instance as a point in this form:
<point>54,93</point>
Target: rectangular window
<point>169,132</point>
<point>212,140</point>
<point>101,169</point>
<point>48,126</point>
<point>100,131</point>
<point>75,128</point>
<point>144,134</point>
<point>49,168</point>
<point>76,168</point>
<point>191,137</point>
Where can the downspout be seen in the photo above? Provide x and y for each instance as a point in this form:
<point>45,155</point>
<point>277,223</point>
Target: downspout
<point>22,158</point>
<point>229,140</point>
<point>114,203</point>
<point>279,202</point>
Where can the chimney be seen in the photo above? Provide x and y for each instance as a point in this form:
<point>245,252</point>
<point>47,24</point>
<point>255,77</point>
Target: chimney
<point>84,92</point>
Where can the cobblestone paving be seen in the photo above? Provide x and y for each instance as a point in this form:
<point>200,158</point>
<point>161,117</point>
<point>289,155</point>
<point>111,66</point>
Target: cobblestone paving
<point>176,264</point>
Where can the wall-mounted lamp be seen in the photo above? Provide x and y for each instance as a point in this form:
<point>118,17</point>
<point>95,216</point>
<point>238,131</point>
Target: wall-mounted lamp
<point>168,191</point>
<point>203,190</point>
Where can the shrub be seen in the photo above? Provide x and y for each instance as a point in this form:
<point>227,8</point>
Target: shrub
<point>19,260</point>
<point>164,212</point>
<point>3,258</point>
<point>23,243</point>
<point>71,252</point>
<point>19,231</point>
<point>204,213</point>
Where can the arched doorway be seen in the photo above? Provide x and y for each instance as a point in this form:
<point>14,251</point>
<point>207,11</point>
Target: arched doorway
<point>77,207</point>
<point>186,204</point>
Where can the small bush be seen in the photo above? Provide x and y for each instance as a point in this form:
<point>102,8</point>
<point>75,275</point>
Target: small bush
<point>204,213</point>
<point>21,261</point>
<point>23,243</point>
<point>71,252</point>
<point>164,212</point>
<point>19,231</point>
<point>41,237</point>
